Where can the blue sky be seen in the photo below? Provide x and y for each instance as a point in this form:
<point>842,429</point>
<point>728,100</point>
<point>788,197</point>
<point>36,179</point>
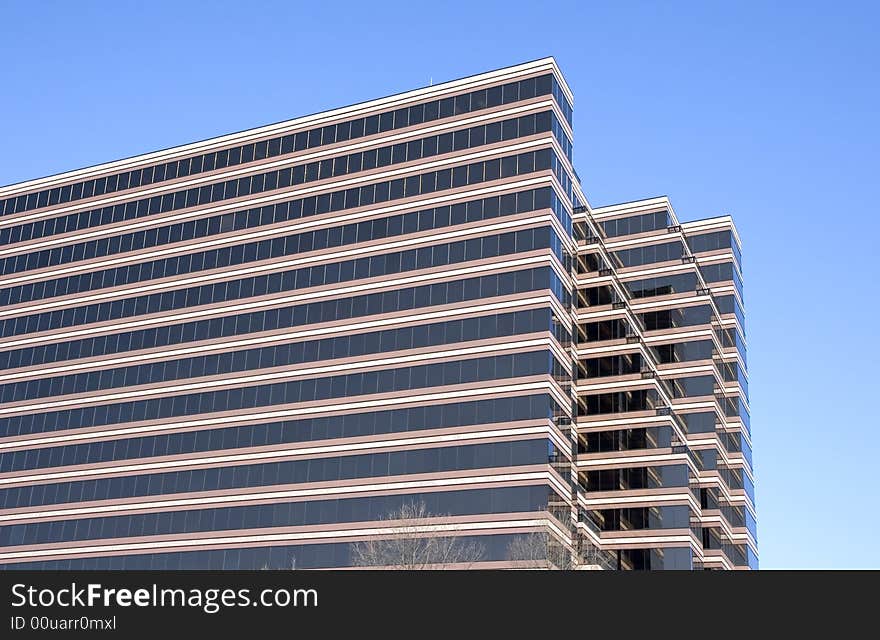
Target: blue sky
<point>766,111</point>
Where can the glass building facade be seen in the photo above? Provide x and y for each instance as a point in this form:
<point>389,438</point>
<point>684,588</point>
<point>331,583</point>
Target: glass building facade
<point>664,457</point>
<point>253,350</point>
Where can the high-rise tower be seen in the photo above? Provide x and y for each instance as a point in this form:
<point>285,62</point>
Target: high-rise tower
<point>253,350</point>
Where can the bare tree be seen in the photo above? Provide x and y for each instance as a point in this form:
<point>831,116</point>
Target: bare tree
<point>292,567</point>
<point>541,550</point>
<point>415,544</point>
<point>589,555</point>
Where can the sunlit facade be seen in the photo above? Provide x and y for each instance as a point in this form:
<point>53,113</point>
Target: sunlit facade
<point>254,350</point>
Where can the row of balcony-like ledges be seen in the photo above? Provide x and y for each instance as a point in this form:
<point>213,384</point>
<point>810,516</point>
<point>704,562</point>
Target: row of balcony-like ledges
<point>664,455</point>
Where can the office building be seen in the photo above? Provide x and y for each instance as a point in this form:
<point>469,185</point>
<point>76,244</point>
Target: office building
<point>255,350</point>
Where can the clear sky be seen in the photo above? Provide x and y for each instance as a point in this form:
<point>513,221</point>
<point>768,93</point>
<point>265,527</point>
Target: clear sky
<point>767,111</point>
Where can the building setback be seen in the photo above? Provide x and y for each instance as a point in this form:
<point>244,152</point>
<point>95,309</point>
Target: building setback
<point>255,350</point>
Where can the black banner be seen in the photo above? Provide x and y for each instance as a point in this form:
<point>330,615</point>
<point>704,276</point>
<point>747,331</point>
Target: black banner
<point>241,604</point>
